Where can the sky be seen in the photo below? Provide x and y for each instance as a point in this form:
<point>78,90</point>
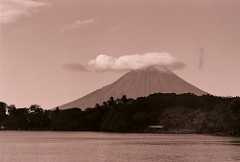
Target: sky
<point>56,51</point>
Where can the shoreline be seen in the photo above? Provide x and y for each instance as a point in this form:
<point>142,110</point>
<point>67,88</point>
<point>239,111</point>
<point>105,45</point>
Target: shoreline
<point>130,132</point>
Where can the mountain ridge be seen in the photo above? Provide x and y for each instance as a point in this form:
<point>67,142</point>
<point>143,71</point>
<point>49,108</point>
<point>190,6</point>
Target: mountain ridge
<point>137,83</point>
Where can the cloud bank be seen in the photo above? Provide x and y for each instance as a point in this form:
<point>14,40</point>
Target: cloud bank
<point>12,10</point>
<point>103,63</point>
<point>74,67</point>
<point>132,62</point>
<point>78,24</point>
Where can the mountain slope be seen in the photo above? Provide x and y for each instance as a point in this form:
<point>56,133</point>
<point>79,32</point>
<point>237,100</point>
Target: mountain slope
<point>137,83</point>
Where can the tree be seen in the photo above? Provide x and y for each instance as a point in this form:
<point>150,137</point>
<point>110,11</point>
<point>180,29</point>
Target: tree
<point>235,107</point>
<point>38,118</point>
<point>235,113</point>
<point>34,109</point>
<point>11,109</point>
<point>18,119</point>
<point>177,118</point>
<point>3,107</point>
<point>124,99</point>
<point>111,102</point>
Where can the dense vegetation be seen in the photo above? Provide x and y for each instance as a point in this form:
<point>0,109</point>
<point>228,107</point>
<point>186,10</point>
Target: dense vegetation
<point>185,113</point>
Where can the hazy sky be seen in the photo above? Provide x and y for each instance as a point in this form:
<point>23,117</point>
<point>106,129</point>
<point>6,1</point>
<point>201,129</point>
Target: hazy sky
<point>48,46</point>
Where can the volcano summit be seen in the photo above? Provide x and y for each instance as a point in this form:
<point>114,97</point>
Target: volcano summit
<point>137,83</point>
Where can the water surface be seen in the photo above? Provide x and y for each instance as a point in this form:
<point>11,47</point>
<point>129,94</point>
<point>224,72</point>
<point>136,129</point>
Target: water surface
<point>24,146</point>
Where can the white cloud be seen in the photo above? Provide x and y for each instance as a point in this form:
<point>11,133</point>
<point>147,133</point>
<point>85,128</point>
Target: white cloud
<point>12,10</point>
<point>128,62</point>
<point>78,24</point>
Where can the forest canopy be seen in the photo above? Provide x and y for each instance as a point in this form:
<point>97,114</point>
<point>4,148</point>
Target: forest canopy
<point>184,113</point>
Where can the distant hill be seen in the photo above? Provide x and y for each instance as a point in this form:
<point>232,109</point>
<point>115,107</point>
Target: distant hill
<point>137,83</point>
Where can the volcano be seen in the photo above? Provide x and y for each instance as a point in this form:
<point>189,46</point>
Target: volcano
<point>137,83</point>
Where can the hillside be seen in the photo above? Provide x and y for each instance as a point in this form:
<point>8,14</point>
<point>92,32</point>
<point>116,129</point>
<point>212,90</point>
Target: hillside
<point>137,83</point>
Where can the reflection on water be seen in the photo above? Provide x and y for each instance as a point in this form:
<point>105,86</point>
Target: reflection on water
<point>90,146</point>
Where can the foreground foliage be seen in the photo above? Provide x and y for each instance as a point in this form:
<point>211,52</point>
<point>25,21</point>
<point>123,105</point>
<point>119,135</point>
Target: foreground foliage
<point>176,113</point>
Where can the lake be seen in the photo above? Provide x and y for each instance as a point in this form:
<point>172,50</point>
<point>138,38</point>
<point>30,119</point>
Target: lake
<point>24,146</point>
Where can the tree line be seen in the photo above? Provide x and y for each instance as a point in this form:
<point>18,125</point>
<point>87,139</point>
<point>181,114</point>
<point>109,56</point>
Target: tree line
<point>186,113</point>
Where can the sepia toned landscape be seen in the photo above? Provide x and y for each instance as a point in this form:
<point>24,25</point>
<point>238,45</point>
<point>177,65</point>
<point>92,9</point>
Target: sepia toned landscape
<point>139,80</point>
